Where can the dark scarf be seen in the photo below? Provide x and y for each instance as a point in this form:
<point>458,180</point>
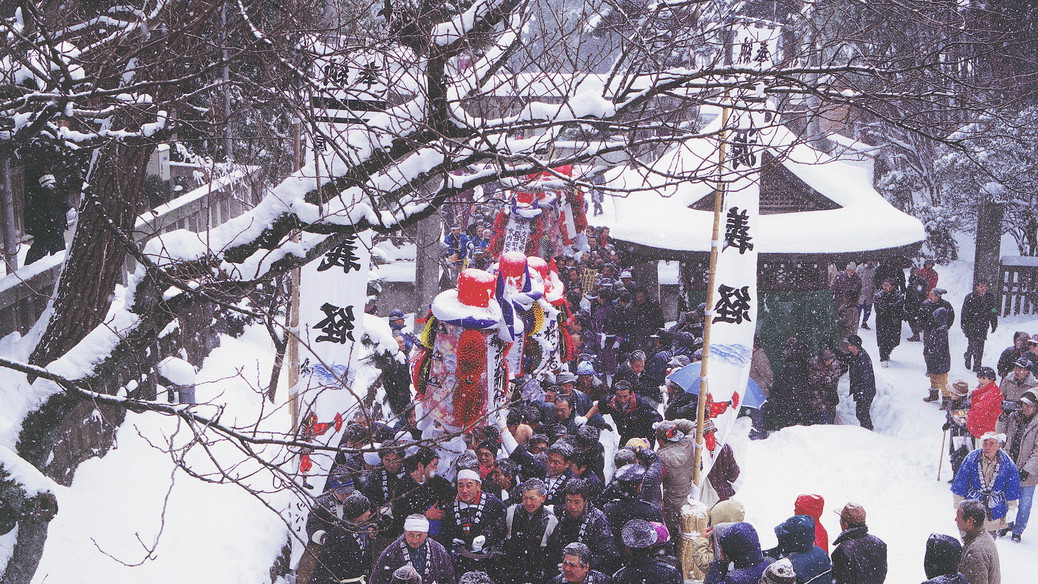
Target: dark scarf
<point>418,558</point>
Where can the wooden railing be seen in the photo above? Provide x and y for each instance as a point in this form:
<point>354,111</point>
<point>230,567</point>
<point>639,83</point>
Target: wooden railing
<point>1017,285</point>
<point>25,293</point>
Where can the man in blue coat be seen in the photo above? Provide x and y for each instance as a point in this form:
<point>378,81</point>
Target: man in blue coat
<point>989,476</point>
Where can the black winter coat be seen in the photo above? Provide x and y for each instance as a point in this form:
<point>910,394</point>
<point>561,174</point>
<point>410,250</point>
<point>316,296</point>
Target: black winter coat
<point>641,384</point>
<point>935,345</point>
<point>915,294</point>
<point>1007,358</point>
<point>978,314</point>
<point>381,486</point>
<point>927,308</point>
<point>890,311</point>
<point>796,538</point>
<point>943,553</point>
<point>862,375</point>
<point>681,405</point>
<point>529,467</point>
<point>412,498</point>
<point>490,524</point>
<point>45,210</point>
<point>591,528</point>
<point>656,367</point>
<point>790,388</point>
<point>889,272</point>
<point>859,558</point>
<point>345,554</point>
<point>646,570</point>
<point>341,556</point>
<point>526,546</point>
<point>619,512</point>
<point>634,423</point>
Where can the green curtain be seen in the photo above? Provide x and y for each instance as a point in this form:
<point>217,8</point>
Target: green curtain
<point>808,314</point>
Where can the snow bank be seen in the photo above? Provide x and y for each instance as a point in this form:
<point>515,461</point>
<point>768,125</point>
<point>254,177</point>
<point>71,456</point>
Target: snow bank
<point>130,517</point>
<point>892,472</point>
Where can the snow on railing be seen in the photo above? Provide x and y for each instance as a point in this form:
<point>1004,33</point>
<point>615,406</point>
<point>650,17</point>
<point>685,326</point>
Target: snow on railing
<point>25,293</point>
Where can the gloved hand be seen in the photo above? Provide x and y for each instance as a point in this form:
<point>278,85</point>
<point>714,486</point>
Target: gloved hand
<point>946,426</point>
<point>478,542</point>
<point>1024,475</point>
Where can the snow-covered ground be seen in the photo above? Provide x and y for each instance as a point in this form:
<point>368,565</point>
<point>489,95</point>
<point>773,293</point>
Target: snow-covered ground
<point>892,472</point>
<point>128,518</point>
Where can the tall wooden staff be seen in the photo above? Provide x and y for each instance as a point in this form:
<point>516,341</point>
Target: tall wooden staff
<point>715,244</point>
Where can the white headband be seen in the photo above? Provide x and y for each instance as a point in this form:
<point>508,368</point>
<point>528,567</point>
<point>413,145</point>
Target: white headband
<point>469,474</point>
<point>416,523</point>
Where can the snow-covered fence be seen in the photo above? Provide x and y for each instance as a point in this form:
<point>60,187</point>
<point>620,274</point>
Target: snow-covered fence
<point>25,293</point>
<point>1017,287</point>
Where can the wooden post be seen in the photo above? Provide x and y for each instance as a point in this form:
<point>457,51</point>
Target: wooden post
<point>292,318</point>
<point>711,284</point>
<point>10,224</point>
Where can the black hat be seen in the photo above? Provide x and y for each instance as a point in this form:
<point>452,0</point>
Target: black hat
<point>588,435</point>
<point>638,534</point>
<point>854,340</point>
<point>355,505</point>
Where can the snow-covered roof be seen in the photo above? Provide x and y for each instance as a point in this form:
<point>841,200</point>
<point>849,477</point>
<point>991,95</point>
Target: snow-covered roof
<point>657,215</point>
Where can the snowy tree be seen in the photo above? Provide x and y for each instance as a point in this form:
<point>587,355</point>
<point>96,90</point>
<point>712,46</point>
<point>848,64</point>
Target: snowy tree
<point>476,97</point>
<point>996,165</point>
<point>974,59</point>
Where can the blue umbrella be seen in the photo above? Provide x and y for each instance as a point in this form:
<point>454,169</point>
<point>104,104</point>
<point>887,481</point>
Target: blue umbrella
<point>688,376</point>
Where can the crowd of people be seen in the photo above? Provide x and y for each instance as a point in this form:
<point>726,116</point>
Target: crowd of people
<point>544,513</point>
<point>536,501</point>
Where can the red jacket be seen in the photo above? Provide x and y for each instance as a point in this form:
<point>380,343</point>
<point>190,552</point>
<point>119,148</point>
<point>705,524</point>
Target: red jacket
<point>812,505</point>
<point>930,275</point>
<point>984,411</point>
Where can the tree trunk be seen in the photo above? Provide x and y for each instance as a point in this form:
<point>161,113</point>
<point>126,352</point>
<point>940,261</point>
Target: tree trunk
<point>96,258</point>
<point>93,265</point>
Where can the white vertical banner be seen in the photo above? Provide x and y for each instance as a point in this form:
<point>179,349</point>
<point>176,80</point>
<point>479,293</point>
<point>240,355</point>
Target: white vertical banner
<point>733,316</point>
<point>332,295</point>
